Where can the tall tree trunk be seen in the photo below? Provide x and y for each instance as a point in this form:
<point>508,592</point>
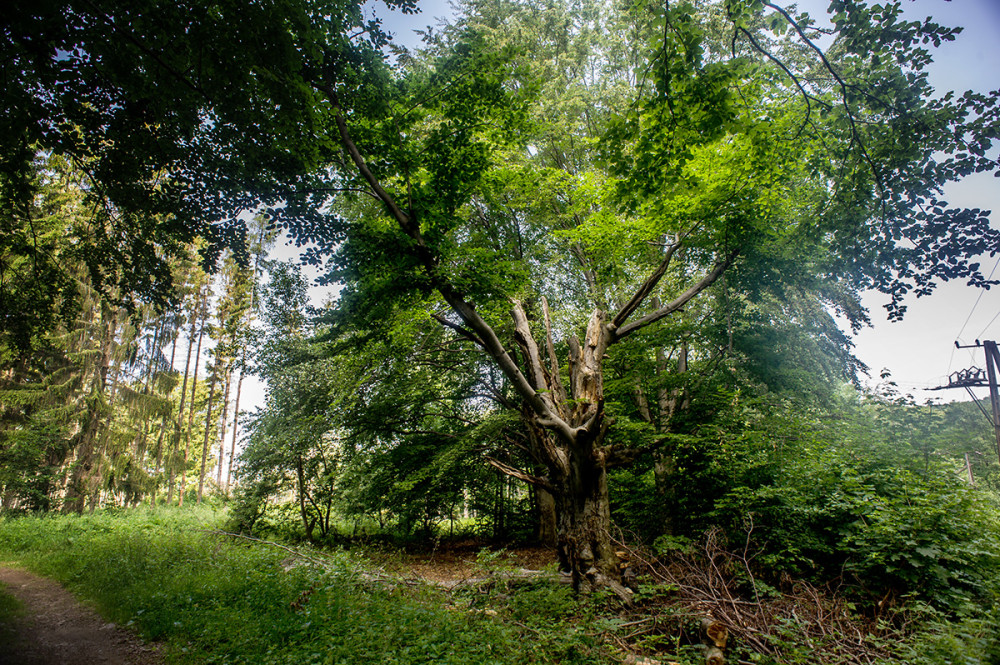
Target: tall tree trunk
<point>143,434</point>
<point>225,416</point>
<point>194,388</point>
<point>85,474</point>
<point>163,430</point>
<point>175,438</point>
<point>208,430</point>
<point>236,421</point>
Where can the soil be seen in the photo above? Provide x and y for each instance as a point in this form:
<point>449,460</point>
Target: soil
<point>457,561</point>
<point>55,629</point>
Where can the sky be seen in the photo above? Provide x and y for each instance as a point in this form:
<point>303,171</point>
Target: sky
<point>919,351</point>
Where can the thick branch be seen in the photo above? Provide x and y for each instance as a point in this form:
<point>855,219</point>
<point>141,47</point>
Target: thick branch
<point>533,358</point>
<point>490,342</point>
<point>647,287</point>
<point>464,332</point>
<point>555,380</point>
<point>521,475</point>
<point>678,302</point>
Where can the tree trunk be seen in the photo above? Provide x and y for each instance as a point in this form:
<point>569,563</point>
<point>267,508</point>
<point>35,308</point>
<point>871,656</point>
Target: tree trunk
<point>208,430</point>
<point>85,474</point>
<point>548,528</point>
<point>300,474</point>
<point>194,388</point>
<point>236,420</point>
<point>163,430</point>
<point>225,416</point>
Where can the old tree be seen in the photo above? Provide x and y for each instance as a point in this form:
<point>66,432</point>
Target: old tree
<point>560,186</point>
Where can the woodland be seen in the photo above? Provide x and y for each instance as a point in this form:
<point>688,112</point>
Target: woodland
<point>596,268</point>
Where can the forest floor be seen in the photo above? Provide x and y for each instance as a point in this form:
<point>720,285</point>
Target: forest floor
<point>54,628</point>
<point>460,560</point>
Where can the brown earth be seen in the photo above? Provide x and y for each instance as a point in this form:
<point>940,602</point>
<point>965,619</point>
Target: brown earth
<point>55,629</point>
<point>457,561</point>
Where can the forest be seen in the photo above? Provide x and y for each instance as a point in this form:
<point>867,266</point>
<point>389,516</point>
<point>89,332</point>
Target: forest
<point>593,267</point>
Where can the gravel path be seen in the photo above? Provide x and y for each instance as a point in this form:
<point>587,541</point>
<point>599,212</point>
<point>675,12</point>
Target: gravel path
<point>57,630</point>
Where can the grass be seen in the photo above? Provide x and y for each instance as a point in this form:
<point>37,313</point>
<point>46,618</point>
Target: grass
<point>213,599</point>
<point>11,610</point>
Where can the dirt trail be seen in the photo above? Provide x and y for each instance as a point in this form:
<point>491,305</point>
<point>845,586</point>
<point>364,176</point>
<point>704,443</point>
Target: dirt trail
<point>57,630</point>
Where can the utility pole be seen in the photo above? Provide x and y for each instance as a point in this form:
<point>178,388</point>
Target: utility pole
<point>974,377</point>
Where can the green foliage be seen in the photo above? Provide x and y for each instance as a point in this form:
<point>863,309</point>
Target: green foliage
<point>216,600</point>
<point>833,497</point>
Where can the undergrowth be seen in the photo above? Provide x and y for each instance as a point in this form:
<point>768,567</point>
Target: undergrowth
<point>216,600</point>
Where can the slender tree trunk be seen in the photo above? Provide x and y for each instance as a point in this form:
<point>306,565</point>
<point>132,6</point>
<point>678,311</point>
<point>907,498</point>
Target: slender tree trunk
<point>163,431</point>
<point>300,473</point>
<point>194,388</point>
<point>85,475</point>
<point>175,438</point>
<point>236,420</point>
<point>140,443</point>
<point>225,416</point>
<point>208,430</point>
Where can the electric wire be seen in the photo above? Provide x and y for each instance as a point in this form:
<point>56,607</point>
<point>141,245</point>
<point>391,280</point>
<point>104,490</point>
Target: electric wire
<point>976,304</point>
<point>958,337</point>
<point>997,316</point>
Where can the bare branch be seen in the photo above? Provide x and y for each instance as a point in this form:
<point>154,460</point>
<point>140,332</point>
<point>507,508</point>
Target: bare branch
<point>678,302</point>
<point>521,475</point>
<point>647,287</point>
<point>555,380</point>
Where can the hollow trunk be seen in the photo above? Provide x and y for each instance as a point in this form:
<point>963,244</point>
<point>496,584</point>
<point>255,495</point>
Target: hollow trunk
<point>584,525</point>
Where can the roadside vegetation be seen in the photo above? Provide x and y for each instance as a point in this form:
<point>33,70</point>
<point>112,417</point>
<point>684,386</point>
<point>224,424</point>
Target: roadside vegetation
<point>178,577</point>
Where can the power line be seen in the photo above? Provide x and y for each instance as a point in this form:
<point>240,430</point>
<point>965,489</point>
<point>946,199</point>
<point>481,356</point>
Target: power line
<point>972,311</point>
<point>958,337</point>
<point>989,324</point>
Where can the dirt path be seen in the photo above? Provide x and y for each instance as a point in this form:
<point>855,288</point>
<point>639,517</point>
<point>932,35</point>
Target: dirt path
<point>57,630</point>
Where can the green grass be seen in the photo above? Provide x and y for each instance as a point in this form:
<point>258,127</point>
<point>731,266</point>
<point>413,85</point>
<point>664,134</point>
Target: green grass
<point>11,609</point>
<point>214,599</point>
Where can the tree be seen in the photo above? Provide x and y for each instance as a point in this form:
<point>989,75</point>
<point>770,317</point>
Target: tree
<point>745,150</point>
<point>740,160</point>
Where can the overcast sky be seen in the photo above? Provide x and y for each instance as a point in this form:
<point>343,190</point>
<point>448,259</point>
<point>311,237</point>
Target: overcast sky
<point>919,351</point>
